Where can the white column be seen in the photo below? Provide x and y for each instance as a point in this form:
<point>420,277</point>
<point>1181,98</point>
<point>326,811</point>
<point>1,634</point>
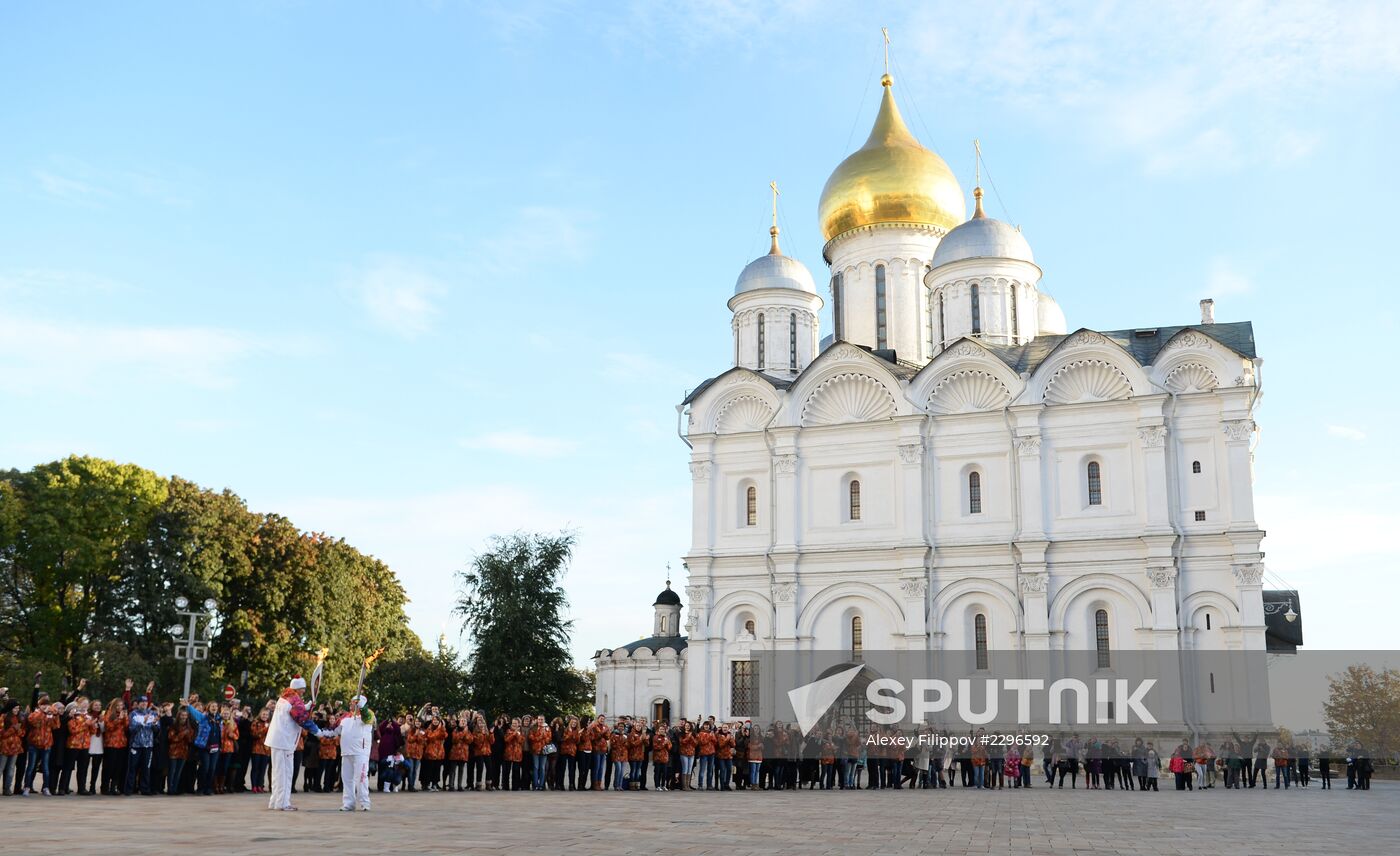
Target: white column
<point>1238,433</point>
<point>1157,499</point>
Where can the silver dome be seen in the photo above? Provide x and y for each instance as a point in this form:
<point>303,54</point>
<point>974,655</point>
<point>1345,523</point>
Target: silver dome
<point>775,271</point>
<point>1050,318</point>
<point>982,238</point>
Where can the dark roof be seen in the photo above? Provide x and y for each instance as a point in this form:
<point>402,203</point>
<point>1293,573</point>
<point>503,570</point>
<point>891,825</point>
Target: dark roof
<point>1282,636</point>
<point>667,597</point>
<point>1144,343</point>
<point>656,643</point>
<point>775,382</point>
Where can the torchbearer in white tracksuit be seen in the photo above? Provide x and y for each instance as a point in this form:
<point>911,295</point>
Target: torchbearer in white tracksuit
<point>288,719</point>
<point>356,732</point>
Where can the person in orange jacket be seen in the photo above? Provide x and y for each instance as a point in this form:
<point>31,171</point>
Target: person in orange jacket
<point>541,743</point>
<point>724,757</point>
<point>512,772</point>
<point>661,757</point>
<point>42,721</point>
<point>435,739</point>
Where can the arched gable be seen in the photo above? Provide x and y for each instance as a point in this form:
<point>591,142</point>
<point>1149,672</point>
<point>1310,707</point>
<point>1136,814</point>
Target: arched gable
<point>1086,366</point>
<point>1087,586</point>
<point>965,377</point>
<point>1229,610</point>
<point>956,594</point>
<point>734,402</point>
<point>744,600</point>
<point>845,384</point>
<point>1193,361</point>
<point>836,593</point>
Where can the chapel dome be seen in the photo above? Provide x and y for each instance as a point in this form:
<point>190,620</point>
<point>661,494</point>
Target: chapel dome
<point>890,179</point>
<point>775,270</point>
<point>1050,318</point>
<point>667,597</point>
<point>982,238</point>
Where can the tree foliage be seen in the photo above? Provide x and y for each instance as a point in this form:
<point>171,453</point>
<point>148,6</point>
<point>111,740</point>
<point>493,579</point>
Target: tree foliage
<point>1364,704</point>
<point>94,553</point>
<point>406,683</point>
<point>512,606</point>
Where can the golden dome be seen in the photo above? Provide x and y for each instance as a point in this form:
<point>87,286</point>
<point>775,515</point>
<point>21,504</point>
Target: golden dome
<point>890,179</point>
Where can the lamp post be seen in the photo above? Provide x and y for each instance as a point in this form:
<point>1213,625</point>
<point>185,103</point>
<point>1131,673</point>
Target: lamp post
<point>192,648</point>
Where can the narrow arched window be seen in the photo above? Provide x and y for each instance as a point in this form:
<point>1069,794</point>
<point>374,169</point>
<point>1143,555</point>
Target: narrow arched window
<point>1101,636</point>
<point>976,311</point>
<point>974,492</point>
<point>839,328</point>
<point>881,339</point>
<point>1015,317</point>
<point>942,335</point>
<point>751,506</point>
<point>857,638</point>
<point>762,342</point>
<point>855,500</point>
<point>979,629</point>
<point>792,341</point>
<point>1196,467</point>
<point>1095,484</point>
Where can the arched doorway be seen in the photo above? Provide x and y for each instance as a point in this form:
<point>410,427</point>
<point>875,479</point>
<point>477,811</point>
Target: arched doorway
<point>661,710</point>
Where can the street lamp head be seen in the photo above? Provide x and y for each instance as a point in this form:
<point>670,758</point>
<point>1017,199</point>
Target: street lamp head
<point>177,630</point>
<point>1290,614</point>
<point>209,605</point>
<point>181,602</point>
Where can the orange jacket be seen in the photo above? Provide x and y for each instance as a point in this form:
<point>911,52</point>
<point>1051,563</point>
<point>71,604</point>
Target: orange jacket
<point>461,745</point>
<point>705,742</point>
<point>328,747</point>
<point>41,726</point>
<point>114,735</point>
<point>724,747</point>
<point>661,748</point>
<point>636,747</point>
<point>435,736</point>
<point>687,744</point>
<point>259,732</point>
<point>12,735</point>
<point>568,743</point>
<point>80,729</point>
<point>229,739</point>
<point>482,743</point>
<point>515,745</point>
<point>413,746</point>
<point>179,742</point>
<point>539,736</point>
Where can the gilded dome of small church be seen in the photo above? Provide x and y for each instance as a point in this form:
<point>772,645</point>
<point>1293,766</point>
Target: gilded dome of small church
<point>890,179</point>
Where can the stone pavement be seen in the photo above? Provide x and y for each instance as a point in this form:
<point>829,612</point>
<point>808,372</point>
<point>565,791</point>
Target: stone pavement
<point>1039,822</point>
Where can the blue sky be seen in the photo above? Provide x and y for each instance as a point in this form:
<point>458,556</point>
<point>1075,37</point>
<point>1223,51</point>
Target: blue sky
<point>417,273</point>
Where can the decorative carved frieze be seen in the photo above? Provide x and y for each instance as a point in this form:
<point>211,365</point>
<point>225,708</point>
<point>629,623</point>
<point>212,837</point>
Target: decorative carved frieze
<point>1028,447</point>
<point>846,352</point>
<point>1237,429</point>
<point>911,453</point>
<point>1189,340</point>
<point>700,470</point>
<point>1034,583</point>
<point>914,588</point>
<point>1152,436</point>
<point>1251,574</point>
<point>1162,577</point>
<point>965,349</point>
<point>784,592</point>
<point>1085,338</point>
<point>698,596</point>
<point>785,464</point>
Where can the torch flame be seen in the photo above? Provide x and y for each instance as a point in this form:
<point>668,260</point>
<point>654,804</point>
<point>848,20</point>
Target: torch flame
<point>321,655</point>
<point>372,657</point>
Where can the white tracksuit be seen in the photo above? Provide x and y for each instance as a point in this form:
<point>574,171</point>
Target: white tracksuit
<point>356,737</point>
<point>281,741</point>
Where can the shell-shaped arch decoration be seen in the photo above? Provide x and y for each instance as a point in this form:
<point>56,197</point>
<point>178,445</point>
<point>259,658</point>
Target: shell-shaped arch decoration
<point>1087,380</point>
<point>1191,377</point>
<point>848,397</point>
<point>742,413</point>
<point>968,391</point>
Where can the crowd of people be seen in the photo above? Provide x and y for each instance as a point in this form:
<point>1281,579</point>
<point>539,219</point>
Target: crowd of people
<point>133,744</point>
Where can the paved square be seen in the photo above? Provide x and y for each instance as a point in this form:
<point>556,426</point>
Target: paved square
<point>1039,822</point>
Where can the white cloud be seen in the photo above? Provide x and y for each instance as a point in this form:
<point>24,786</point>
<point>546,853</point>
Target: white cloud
<point>398,296</point>
<point>41,355</point>
<point>1346,432</point>
<point>521,443</point>
<point>532,233</point>
<point>1191,86</point>
<point>69,189</point>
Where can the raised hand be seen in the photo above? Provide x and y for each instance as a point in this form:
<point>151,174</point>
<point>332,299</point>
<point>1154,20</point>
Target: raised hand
<point>129,684</point>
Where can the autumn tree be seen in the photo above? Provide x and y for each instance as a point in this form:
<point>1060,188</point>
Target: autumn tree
<point>1364,704</point>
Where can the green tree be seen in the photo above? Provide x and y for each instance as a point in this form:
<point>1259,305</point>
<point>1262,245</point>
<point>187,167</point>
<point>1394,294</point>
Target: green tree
<point>66,527</point>
<point>512,606</point>
<point>406,683</point>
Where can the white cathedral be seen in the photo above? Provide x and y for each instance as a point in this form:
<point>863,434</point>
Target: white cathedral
<point>954,468</point>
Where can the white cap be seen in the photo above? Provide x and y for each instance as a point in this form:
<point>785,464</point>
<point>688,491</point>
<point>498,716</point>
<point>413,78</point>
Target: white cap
<point>298,683</point>
<point>360,700</point>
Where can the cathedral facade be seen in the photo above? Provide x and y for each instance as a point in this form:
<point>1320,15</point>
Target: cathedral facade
<point>954,468</point>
